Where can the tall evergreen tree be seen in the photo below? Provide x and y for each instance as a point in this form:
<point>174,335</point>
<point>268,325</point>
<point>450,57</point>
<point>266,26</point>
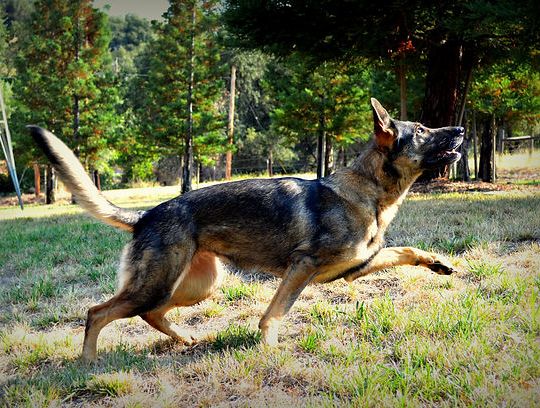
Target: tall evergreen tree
<point>64,79</point>
<point>180,109</point>
<point>327,104</point>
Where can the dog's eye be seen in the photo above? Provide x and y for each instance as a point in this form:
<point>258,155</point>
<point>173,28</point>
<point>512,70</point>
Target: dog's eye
<point>420,130</point>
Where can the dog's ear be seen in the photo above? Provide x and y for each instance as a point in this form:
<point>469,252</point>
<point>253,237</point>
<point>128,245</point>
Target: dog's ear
<point>384,134</point>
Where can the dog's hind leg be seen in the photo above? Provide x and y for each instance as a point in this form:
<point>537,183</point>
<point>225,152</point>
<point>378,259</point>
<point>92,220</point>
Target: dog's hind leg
<point>156,319</point>
<point>205,274</point>
<point>149,279</point>
<point>300,273</point>
<point>397,256</point>
<point>118,307</point>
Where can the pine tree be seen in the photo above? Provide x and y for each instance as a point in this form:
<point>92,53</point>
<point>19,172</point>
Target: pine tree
<point>179,112</point>
<point>64,80</point>
<point>326,104</point>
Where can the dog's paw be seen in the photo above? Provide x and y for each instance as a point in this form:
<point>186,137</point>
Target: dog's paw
<point>186,341</point>
<point>442,266</point>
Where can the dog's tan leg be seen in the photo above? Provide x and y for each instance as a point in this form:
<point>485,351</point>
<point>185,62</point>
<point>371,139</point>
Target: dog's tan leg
<point>156,319</point>
<point>396,256</point>
<point>292,284</point>
<point>150,277</point>
<point>99,316</point>
<point>205,275</point>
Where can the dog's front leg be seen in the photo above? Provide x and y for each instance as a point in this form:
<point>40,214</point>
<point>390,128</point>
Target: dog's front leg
<point>299,274</point>
<point>396,256</point>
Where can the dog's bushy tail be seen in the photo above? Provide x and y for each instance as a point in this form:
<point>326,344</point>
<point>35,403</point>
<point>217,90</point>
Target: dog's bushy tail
<point>79,183</point>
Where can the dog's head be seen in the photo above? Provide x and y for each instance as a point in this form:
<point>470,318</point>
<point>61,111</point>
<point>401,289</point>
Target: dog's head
<point>413,144</point>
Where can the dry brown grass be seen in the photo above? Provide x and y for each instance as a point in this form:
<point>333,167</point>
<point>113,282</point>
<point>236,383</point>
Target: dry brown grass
<point>399,337</point>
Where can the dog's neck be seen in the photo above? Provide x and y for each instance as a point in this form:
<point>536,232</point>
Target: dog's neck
<point>373,166</point>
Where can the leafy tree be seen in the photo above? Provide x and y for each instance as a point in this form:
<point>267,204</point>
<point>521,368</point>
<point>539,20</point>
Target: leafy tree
<point>450,37</point>
<point>180,109</point>
<point>129,38</point>
<point>17,14</point>
<point>255,143</point>
<point>505,95</point>
<point>64,82</point>
<point>327,104</point>
<point>129,32</point>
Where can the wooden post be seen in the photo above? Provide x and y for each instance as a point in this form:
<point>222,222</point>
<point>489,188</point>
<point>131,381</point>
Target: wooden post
<point>531,145</point>
<point>97,181</point>
<point>230,129</point>
<point>37,180</point>
<point>51,196</point>
<point>494,149</point>
<point>475,148</point>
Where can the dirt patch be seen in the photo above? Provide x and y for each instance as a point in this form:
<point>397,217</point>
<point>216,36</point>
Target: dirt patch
<point>448,186</point>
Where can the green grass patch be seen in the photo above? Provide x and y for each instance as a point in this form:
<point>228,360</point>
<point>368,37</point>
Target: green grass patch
<point>32,290</point>
<point>236,336</point>
<point>470,339</point>
<point>482,269</point>
<point>240,291</point>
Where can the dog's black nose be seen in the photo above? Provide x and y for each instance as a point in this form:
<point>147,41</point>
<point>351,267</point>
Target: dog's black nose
<point>460,130</point>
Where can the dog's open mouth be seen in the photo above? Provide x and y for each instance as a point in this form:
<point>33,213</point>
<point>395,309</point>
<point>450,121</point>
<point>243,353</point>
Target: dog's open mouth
<point>452,155</point>
<point>447,154</point>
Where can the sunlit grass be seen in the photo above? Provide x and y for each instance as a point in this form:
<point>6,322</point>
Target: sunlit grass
<point>403,337</point>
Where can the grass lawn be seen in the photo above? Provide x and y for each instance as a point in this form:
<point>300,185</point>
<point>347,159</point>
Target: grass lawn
<point>401,337</point>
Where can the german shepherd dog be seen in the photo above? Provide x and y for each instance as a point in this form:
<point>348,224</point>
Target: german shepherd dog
<point>302,231</point>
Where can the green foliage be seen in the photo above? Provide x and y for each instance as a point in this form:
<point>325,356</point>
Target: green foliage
<point>482,269</point>
<point>510,91</point>
<point>162,109</point>
<point>332,97</point>
<point>65,57</point>
<point>337,92</point>
<point>310,342</point>
<point>129,32</point>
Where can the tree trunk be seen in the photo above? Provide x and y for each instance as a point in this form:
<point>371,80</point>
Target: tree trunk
<point>485,171</point>
<point>403,88</point>
<point>341,160</point>
<point>321,142</point>
<point>270,163</point>
<point>440,100</point>
<point>37,180</point>
<point>97,181</point>
<point>475,145</point>
<point>230,130</point>
<point>50,192</point>
<point>463,171</point>
<point>328,155</point>
<point>188,148</point>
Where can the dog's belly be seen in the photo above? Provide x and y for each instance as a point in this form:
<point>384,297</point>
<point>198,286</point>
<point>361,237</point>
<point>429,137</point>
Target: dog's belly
<point>205,275</point>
